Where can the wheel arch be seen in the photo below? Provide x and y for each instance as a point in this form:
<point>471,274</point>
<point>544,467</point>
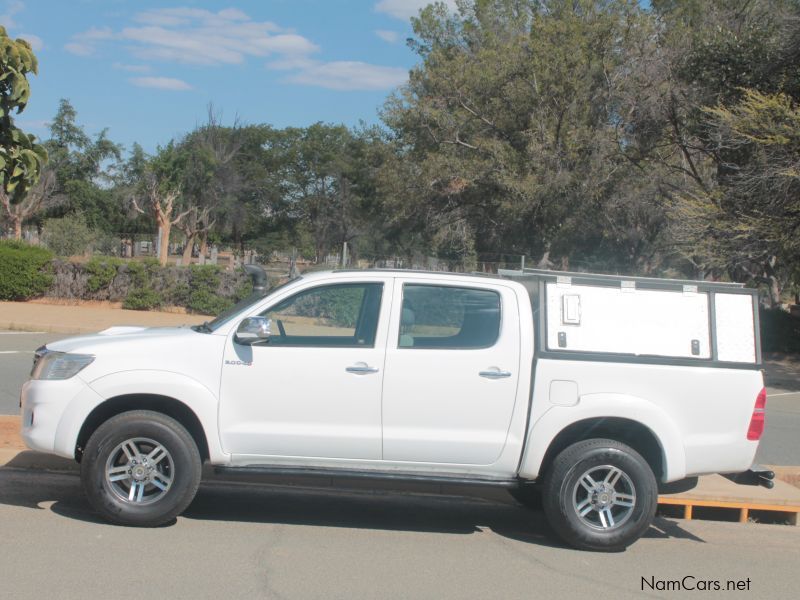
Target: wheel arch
<point>631,420</point>
<point>627,431</point>
<point>165,405</point>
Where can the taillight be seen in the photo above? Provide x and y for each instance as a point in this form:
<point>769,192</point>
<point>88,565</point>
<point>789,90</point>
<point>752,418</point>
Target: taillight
<point>757,420</point>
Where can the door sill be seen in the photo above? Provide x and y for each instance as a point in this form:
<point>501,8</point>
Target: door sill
<point>269,471</point>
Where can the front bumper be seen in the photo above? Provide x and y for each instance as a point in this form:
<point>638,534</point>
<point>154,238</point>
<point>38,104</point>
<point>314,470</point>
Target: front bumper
<point>44,405</point>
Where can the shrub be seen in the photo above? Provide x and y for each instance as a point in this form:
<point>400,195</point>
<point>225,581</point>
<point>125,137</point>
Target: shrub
<point>207,303</point>
<point>24,270</point>
<point>67,236</point>
<point>142,299</point>
<point>102,271</point>
<point>780,331</point>
<point>142,294</point>
<point>203,298</point>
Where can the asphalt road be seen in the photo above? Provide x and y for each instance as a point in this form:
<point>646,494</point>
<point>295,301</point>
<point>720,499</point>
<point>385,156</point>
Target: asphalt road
<point>779,446</point>
<point>16,357</point>
<point>273,542</point>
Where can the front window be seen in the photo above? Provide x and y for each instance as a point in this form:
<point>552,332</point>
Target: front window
<point>343,315</point>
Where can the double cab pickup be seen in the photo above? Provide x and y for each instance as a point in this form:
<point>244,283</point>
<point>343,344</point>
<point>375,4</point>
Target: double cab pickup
<point>587,391</point>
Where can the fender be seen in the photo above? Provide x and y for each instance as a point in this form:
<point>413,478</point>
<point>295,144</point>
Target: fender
<point>163,383</point>
<point>542,432</point>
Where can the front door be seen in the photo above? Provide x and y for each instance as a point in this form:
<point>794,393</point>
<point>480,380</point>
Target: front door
<point>314,389</point>
<point>452,367</point>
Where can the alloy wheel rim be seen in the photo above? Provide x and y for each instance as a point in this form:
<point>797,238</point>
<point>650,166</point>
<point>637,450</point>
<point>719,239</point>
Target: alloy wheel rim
<point>140,471</point>
<point>604,497</point>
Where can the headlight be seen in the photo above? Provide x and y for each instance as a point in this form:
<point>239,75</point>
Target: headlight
<point>60,365</point>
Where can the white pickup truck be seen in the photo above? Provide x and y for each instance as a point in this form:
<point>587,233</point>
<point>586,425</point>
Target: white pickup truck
<point>589,388</point>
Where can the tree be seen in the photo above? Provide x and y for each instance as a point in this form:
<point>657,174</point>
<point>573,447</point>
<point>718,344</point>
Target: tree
<point>84,169</point>
<point>194,226</point>
<point>160,191</point>
<point>749,224</point>
<point>211,179</point>
<point>39,197</point>
<point>506,131</point>
<point>21,157</point>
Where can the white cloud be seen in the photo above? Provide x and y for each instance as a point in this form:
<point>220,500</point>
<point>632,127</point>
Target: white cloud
<point>161,83</point>
<point>387,35</point>
<point>199,36</point>
<point>79,48</point>
<point>85,43</point>
<point>229,37</point>
<point>405,9</point>
<point>350,75</point>
<point>34,40</point>
<point>132,68</point>
<point>13,7</point>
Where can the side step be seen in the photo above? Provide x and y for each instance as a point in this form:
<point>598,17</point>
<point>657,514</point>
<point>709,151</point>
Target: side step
<point>277,472</point>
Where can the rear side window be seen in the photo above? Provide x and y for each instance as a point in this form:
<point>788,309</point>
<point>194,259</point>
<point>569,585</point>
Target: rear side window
<point>448,317</point>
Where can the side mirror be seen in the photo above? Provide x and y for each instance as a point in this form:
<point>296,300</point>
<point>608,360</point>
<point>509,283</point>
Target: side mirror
<point>253,330</point>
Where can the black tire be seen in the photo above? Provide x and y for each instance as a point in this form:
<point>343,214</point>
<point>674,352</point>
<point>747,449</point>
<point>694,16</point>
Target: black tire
<point>530,496</point>
<point>180,469</point>
<point>562,489</point>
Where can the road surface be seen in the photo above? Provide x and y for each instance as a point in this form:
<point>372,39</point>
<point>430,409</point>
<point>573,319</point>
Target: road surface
<point>277,542</point>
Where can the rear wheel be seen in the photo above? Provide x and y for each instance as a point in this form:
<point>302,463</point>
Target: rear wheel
<point>600,495</point>
<point>141,468</point>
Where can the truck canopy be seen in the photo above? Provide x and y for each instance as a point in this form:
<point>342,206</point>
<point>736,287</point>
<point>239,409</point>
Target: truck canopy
<point>641,319</point>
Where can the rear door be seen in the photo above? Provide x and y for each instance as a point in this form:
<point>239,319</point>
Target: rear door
<point>452,367</point>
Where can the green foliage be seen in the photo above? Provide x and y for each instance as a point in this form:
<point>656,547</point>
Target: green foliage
<point>780,331</point>
<point>67,236</point>
<point>21,158</point>
<point>243,290</point>
<point>202,297</point>
<point>142,294</point>
<point>24,270</point>
<point>102,271</point>
<point>143,299</point>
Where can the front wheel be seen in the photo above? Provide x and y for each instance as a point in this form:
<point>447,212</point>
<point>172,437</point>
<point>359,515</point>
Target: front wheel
<point>141,468</point>
<point>600,495</point>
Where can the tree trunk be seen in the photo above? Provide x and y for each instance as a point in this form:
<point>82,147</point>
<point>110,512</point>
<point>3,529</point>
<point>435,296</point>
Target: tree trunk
<point>187,251</point>
<point>774,292</point>
<point>163,252</point>
<point>203,243</point>
<point>774,284</point>
<point>17,222</point>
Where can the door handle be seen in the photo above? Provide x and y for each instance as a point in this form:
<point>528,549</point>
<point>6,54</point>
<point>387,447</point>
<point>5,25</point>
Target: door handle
<point>495,374</point>
<point>361,369</point>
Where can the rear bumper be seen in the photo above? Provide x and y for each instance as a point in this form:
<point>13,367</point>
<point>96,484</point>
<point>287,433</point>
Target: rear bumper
<point>726,453</point>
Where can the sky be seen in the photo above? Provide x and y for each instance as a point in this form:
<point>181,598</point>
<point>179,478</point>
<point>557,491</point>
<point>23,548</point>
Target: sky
<point>147,70</point>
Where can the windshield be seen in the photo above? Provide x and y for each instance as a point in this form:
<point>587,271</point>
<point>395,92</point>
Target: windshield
<point>240,306</point>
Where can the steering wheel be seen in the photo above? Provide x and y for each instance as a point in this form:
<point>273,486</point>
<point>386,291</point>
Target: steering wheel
<point>281,328</point>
